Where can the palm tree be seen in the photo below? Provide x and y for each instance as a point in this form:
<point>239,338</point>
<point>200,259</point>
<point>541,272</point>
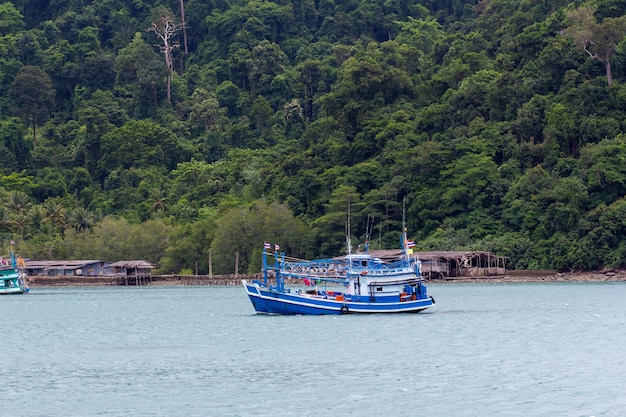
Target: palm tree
<point>188,213</point>
<point>5,220</point>
<point>37,217</point>
<point>56,213</point>
<point>80,219</point>
<point>158,198</point>
<point>17,202</point>
<point>20,223</point>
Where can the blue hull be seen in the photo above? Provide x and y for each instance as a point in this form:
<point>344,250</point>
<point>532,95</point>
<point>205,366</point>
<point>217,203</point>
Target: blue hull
<point>269,301</point>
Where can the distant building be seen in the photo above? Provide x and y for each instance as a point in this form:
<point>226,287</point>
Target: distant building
<point>84,268</point>
<point>471,264</point>
<point>451,264</point>
<point>132,268</point>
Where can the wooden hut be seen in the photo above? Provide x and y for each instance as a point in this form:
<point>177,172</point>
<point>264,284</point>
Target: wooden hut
<point>132,268</point>
<point>469,264</point>
<point>133,272</point>
<point>452,264</point>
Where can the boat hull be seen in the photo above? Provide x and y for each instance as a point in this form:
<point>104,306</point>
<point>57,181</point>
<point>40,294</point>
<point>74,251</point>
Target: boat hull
<point>270,301</point>
<point>13,290</point>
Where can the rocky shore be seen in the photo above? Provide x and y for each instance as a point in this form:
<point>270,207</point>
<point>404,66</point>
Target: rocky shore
<point>225,280</point>
<point>545,276</point>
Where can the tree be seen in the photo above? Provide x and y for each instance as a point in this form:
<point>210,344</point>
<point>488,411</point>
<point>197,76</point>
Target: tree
<point>266,62</point>
<point>56,213</point>
<point>164,25</point>
<point>17,203</point>
<point>80,219</point>
<point>329,230</point>
<point>140,72</point>
<point>14,150</point>
<point>205,109</point>
<point>10,19</point>
<point>422,33</point>
<point>597,39</point>
<point>158,200</point>
<point>141,143</point>
<point>243,229</point>
<point>32,92</point>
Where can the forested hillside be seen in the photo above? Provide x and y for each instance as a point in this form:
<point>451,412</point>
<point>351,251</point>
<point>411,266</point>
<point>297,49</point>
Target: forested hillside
<point>168,130</point>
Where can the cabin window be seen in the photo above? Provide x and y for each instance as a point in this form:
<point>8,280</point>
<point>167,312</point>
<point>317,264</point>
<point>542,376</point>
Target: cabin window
<point>379,288</point>
<point>364,263</point>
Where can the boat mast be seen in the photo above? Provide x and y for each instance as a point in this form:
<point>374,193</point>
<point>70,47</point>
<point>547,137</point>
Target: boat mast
<point>368,232</point>
<point>264,257</point>
<point>348,238</point>
<point>405,254</point>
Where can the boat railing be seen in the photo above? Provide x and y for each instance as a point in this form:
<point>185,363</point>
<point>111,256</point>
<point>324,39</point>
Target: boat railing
<point>397,282</point>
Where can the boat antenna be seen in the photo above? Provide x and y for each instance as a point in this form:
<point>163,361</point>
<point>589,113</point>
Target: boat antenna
<point>403,214</point>
<point>348,239</point>
<point>369,228</point>
<point>403,236</point>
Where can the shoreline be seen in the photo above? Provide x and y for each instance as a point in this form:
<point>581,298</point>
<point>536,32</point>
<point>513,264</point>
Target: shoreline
<point>233,280</point>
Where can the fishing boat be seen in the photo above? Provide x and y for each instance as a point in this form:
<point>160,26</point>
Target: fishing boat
<point>12,276</point>
<point>353,283</point>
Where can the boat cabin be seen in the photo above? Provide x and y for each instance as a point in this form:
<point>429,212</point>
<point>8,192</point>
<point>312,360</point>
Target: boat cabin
<point>363,261</point>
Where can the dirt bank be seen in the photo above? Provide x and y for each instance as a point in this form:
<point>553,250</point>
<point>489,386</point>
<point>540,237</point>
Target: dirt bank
<point>225,280</point>
<point>547,276</point>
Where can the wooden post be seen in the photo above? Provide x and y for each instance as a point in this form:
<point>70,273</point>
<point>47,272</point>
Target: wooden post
<point>210,267</point>
<point>237,264</point>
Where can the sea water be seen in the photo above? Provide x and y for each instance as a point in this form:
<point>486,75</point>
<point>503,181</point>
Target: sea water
<point>484,350</point>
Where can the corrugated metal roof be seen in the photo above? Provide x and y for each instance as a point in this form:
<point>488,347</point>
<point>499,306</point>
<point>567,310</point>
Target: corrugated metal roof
<point>132,264</point>
<point>457,254</point>
<point>64,264</point>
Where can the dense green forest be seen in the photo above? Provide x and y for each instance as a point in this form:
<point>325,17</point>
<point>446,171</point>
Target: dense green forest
<point>168,130</point>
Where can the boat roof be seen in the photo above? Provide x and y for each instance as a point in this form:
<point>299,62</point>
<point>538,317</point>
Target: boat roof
<point>361,255</point>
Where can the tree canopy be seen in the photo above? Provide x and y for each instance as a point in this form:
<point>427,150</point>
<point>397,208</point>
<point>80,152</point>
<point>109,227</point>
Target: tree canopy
<point>170,131</point>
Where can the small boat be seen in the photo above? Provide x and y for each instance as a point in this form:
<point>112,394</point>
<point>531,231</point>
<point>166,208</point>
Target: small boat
<point>12,276</point>
<point>354,283</point>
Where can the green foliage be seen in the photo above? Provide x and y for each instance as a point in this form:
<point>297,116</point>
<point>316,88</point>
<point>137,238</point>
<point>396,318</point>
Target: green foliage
<point>141,144</point>
<point>240,232</point>
<point>32,92</point>
<point>495,127</point>
<point>597,39</point>
<point>11,20</point>
<point>112,239</point>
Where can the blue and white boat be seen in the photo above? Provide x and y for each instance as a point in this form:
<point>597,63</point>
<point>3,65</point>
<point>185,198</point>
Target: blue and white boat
<point>354,283</point>
<point>12,276</point>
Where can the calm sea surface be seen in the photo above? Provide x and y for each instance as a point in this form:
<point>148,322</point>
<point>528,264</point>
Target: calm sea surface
<point>485,350</point>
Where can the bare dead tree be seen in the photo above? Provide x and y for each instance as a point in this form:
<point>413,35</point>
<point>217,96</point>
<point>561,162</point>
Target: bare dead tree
<point>164,25</point>
<point>184,24</point>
